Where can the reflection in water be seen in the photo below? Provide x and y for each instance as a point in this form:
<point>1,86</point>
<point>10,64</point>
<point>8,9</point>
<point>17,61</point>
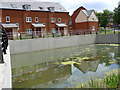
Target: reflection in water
<point>86,66</point>
<point>41,69</point>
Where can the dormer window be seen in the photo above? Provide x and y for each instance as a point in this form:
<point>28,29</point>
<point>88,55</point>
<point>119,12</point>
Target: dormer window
<point>52,9</point>
<point>27,7</point>
<point>40,7</point>
<point>13,6</point>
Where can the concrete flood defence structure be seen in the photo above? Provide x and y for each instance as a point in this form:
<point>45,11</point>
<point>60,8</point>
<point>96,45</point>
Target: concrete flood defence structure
<point>31,45</point>
<point>5,72</point>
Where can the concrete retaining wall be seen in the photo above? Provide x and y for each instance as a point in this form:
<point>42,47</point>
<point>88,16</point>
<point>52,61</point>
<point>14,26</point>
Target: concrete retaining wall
<point>107,39</point>
<point>23,46</point>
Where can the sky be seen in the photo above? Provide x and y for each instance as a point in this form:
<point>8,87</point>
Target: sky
<point>97,5</point>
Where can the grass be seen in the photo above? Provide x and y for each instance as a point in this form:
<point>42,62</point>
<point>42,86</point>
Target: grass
<point>109,81</point>
<point>107,32</point>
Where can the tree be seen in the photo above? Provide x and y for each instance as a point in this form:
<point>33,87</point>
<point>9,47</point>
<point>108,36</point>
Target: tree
<point>104,17</point>
<point>117,15</point>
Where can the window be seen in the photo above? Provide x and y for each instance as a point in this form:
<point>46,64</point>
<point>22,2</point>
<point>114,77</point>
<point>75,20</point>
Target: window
<point>59,19</point>
<point>40,7</point>
<point>36,19</point>
<point>93,19</point>
<point>29,31</point>
<point>7,19</point>
<point>13,6</point>
<point>93,27</point>
<point>53,30</point>
<point>27,7</point>
<point>17,25</point>
<point>0,19</point>
<point>52,9</point>
<point>52,19</point>
<point>28,19</point>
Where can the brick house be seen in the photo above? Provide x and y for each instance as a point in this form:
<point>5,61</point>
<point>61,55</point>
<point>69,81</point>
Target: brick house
<point>34,16</point>
<point>84,20</point>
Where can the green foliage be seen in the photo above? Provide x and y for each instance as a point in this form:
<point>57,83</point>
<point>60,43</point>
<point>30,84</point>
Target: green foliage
<point>109,81</point>
<point>104,17</point>
<point>117,15</point>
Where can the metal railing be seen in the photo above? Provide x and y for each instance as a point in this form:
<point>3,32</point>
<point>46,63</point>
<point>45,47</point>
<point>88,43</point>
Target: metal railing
<point>39,34</point>
<point>1,53</point>
<point>3,44</point>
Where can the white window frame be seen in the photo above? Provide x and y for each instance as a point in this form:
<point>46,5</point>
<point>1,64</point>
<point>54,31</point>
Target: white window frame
<point>93,28</point>
<point>28,19</point>
<point>36,18</point>
<point>29,31</point>
<point>59,19</point>
<point>53,20</point>
<point>7,17</point>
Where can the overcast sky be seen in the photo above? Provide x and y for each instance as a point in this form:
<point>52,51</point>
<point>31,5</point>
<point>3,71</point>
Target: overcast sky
<point>97,5</point>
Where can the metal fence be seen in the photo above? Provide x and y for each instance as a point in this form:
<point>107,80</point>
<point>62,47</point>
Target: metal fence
<point>39,34</point>
<point>1,54</point>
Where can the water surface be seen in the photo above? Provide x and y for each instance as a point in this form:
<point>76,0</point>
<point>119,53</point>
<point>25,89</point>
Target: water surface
<point>44,69</point>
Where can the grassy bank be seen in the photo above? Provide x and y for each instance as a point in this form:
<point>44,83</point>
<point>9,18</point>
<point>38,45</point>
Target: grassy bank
<point>111,80</point>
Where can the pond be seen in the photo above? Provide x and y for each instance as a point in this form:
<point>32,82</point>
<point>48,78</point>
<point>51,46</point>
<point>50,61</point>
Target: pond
<point>64,67</point>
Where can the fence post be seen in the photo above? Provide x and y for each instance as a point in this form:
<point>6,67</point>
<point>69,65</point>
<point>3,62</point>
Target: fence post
<point>96,32</point>
<point>20,36</point>
<point>114,30</point>
<point>84,32</point>
<point>1,53</point>
<point>105,31</point>
<point>90,31</point>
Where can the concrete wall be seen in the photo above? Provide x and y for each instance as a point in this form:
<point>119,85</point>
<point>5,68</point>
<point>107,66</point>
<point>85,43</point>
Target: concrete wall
<point>108,39</point>
<point>22,46</point>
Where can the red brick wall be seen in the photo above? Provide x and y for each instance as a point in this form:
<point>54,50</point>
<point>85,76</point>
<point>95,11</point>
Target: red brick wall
<point>64,19</point>
<point>15,17</point>
<point>82,25</point>
<point>75,13</point>
<point>19,16</point>
<point>86,25</point>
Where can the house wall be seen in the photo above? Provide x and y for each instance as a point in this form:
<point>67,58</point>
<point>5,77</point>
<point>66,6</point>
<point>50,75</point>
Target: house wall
<point>19,16</point>
<point>93,16</point>
<point>81,22</point>
<point>74,15</point>
<point>15,17</point>
<point>64,19</point>
<point>81,17</point>
<point>86,25</point>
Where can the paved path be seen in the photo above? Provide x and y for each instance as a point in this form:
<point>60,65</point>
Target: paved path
<point>5,72</point>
